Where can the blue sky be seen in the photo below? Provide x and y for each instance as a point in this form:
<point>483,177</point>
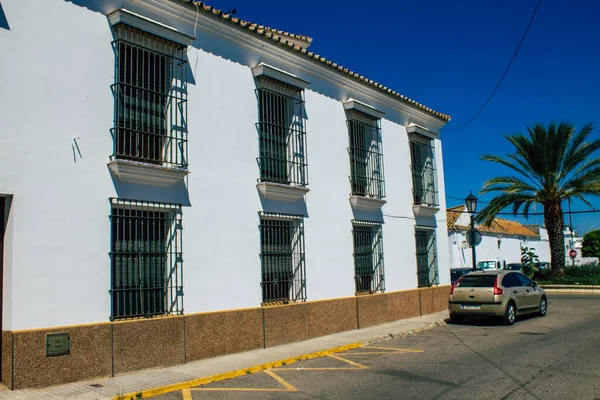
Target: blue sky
<point>449,55</point>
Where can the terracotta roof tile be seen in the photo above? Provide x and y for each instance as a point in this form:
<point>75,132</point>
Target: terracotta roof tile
<point>452,215</point>
<point>287,39</point>
<point>498,226</point>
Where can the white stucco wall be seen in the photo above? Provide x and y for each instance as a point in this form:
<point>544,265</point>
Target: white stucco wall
<point>509,251</point>
<point>56,86</point>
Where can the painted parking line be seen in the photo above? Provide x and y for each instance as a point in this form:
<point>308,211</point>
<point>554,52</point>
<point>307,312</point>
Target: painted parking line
<point>233,374</point>
<point>286,387</point>
<point>395,349</point>
<point>355,366</point>
<point>390,350</point>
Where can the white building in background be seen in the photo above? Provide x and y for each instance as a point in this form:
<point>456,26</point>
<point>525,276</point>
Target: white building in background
<point>160,153</point>
<point>501,240</point>
<point>574,242</point>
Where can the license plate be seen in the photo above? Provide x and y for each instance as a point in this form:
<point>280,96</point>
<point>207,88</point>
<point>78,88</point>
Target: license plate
<point>470,307</point>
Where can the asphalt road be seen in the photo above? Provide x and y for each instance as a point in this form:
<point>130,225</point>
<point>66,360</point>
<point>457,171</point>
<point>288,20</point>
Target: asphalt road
<point>554,357</point>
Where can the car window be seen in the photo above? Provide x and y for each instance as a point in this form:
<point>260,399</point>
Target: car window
<point>510,280</point>
<point>477,281</point>
<point>457,273</point>
<point>525,281</point>
<point>486,264</point>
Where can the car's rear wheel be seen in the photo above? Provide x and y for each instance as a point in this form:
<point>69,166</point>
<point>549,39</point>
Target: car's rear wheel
<point>510,314</point>
<point>543,307</point>
<point>456,319</point>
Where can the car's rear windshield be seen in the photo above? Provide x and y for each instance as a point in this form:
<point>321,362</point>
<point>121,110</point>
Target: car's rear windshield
<point>477,281</point>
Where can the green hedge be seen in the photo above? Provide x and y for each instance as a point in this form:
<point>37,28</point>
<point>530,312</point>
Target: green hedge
<point>579,275</point>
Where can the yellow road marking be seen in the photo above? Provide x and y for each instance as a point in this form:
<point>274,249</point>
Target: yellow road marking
<point>232,374</point>
<point>348,361</point>
<point>280,380</point>
<point>283,382</point>
<point>395,349</point>
<point>320,369</point>
<point>240,390</point>
<point>374,352</point>
<point>187,394</point>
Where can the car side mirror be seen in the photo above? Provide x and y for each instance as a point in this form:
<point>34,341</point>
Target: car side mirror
<point>534,285</point>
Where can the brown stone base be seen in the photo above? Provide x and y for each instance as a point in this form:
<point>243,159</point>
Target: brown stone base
<point>107,349</point>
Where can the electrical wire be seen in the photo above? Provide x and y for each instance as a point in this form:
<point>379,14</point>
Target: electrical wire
<point>197,4</point>
<point>503,75</point>
<point>531,213</point>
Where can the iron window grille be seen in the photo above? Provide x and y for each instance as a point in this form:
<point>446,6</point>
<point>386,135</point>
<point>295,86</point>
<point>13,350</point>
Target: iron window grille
<point>281,129</point>
<point>146,259</point>
<point>427,263</point>
<point>424,174</point>
<point>283,268</point>
<point>369,274</point>
<point>150,99</point>
<point>366,155</point>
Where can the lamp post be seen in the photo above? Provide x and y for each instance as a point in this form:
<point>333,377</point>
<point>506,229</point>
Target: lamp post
<point>471,202</point>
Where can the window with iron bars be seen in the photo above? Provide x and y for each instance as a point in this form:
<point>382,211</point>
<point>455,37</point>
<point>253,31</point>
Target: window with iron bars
<point>150,99</point>
<point>369,276</point>
<point>366,155</point>
<point>283,269</point>
<point>424,175</point>
<point>146,258</point>
<point>281,129</point>
<point>427,264</point>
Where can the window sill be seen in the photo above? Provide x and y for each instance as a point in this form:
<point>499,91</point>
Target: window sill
<point>421,210</point>
<point>278,191</point>
<point>146,174</point>
<point>366,203</point>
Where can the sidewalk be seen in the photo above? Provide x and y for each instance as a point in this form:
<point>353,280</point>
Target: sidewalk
<point>108,388</point>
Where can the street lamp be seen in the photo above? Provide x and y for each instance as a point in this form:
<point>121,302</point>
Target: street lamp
<point>471,202</point>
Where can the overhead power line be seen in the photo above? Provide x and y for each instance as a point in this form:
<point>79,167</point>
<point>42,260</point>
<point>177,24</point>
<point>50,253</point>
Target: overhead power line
<point>520,213</point>
<point>504,74</point>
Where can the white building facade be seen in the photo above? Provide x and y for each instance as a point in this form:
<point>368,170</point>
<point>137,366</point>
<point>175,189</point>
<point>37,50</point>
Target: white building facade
<point>159,158</point>
<point>501,240</point>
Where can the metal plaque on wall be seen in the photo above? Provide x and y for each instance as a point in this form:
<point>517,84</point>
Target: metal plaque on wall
<point>57,344</point>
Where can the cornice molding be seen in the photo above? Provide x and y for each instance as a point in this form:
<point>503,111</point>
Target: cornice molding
<point>263,69</point>
<point>266,47</point>
<point>353,104</point>
<point>414,129</point>
<point>425,211</point>
<point>366,203</point>
<point>277,191</point>
<point>146,174</point>
<point>123,16</point>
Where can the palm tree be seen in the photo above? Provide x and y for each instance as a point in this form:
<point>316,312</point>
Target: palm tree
<point>552,164</point>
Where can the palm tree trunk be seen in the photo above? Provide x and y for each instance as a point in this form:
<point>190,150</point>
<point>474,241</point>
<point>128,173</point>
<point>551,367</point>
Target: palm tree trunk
<point>553,217</point>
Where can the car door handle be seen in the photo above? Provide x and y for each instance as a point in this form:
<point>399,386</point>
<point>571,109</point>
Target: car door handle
<point>528,290</point>
<point>514,291</point>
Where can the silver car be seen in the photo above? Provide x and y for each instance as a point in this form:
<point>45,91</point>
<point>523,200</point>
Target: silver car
<point>498,293</point>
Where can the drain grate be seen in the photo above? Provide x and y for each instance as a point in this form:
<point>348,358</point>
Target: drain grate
<point>97,385</point>
<point>532,333</point>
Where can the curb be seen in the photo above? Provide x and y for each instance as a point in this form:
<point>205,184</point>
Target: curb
<point>273,364</point>
<point>573,291</point>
